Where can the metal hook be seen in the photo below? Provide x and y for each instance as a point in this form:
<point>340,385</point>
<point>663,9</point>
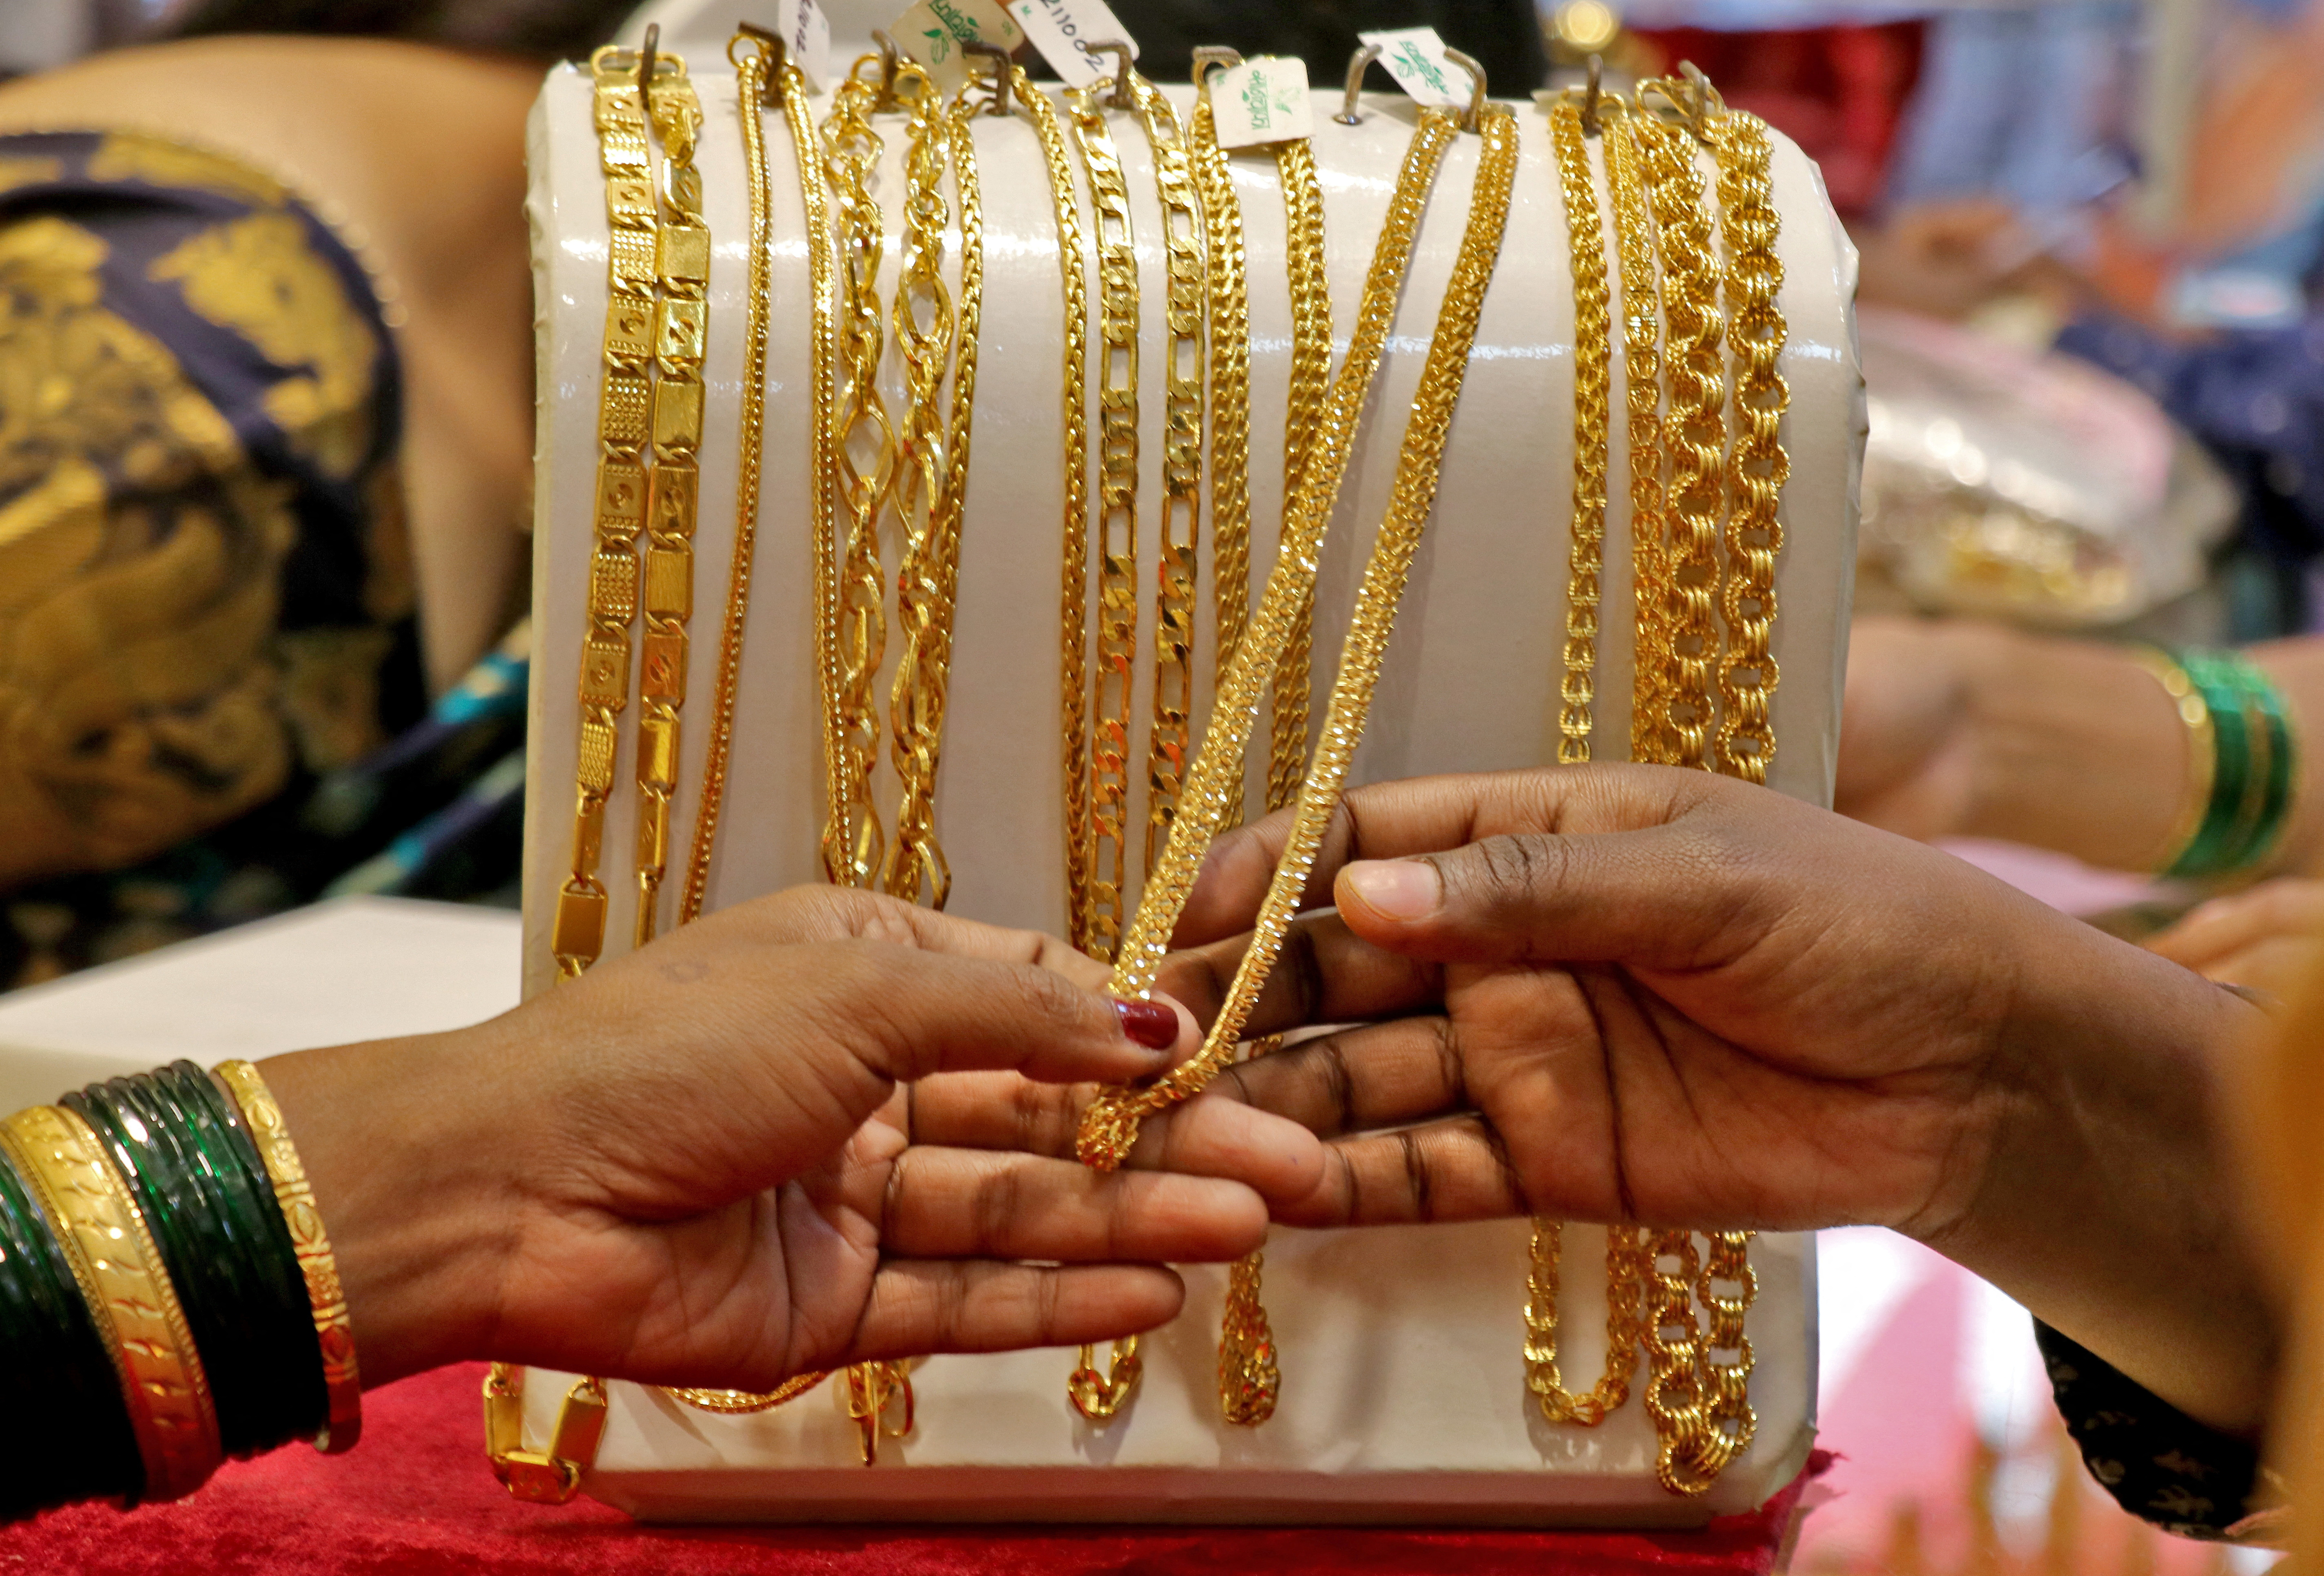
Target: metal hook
<point>890,63</point>
<point>1357,65</point>
<point>646,54</point>
<point>1123,97</point>
<point>1590,96</point>
<point>772,49</point>
<point>1213,55</point>
<point>978,49</point>
<point>1475,117</point>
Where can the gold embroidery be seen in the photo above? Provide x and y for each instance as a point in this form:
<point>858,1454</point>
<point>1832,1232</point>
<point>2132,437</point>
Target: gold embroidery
<point>330,692</point>
<point>158,162</point>
<point>259,277</point>
<point>29,171</point>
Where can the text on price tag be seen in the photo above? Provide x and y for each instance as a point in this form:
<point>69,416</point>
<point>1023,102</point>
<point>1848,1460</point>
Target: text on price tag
<point>1415,57</point>
<point>932,30</point>
<point>1063,31</point>
<point>806,33</point>
<point>1262,100</point>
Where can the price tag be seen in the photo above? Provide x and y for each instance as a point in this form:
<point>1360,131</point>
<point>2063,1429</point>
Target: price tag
<point>806,33</point>
<point>1064,30</point>
<point>1262,100</point>
<point>1415,57</point>
<point>932,32</point>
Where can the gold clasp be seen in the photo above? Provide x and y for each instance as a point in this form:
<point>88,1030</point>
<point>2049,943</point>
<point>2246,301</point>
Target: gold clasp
<point>541,1477</point>
<point>1474,119</point>
<point>1358,63</point>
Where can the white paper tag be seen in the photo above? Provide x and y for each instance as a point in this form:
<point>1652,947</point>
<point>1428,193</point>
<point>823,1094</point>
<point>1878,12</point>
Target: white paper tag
<point>1415,57</point>
<point>932,30</point>
<point>1063,31</point>
<point>1262,100</point>
<point>806,33</point>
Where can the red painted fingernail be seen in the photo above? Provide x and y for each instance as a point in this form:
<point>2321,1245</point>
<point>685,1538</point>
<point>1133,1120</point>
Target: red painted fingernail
<point>1152,1024</point>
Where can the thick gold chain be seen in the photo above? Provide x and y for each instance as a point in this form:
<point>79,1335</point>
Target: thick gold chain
<point>1593,383</point>
<point>1072,591</point>
<point>1109,1126</point>
<point>625,396</point>
<point>1694,431</point>
<point>1311,382</point>
<point>1178,531</point>
<point>674,486</point>
<point>1117,519</point>
<point>863,451</point>
<point>1652,673</point>
<point>926,495</point>
<point>1625,1297</point>
<point>1757,465</point>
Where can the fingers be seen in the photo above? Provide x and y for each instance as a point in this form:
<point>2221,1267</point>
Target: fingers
<point>804,915</point>
<point>1379,1075</point>
<point>1449,1170</point>
<point>2212,932</point>
<point>973,1203</point>
<point>1324,973</point>
<point>1278,1157</point>
<point>920,1307</point>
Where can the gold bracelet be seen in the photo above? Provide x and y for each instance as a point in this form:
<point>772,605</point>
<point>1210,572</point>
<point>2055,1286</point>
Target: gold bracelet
<point>925,498</point>
<point>1072,594</point>
<point>1311,381</point>
<point>1758,465</point>
<point>1178,530</point>
<point>1651,659</point>
<point>342,1383</point>
<point>673,488</point>
<point>1625,1295</point>
<point>1116,519</point>
<point>1592,374</point>
<point>578,934</point>
<point>2202,747</point>
<point>101,1235</point>
<point>854,610</point>
<point>1109,1126</point>
<point>1694,428</point>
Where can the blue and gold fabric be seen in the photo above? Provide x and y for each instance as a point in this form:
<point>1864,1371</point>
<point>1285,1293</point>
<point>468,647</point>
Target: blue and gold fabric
<point>205,597</point>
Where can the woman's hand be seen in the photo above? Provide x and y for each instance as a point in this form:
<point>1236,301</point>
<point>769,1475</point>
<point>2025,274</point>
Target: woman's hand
<point>1908,758</point>
<point>1644,994</point>
<point>811,1129</point>
<point>2262,938</point>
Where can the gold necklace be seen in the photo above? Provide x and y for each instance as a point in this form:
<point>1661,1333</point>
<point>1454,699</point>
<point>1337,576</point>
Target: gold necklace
<point>1625,1292</point>
<point>618,107</point>
<point>1592,356</point>
<point>1311,378</point>
<point>1634,235</point>
<point>1109,1126</point>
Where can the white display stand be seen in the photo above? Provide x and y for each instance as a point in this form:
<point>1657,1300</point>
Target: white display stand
<point>1403,1395</point>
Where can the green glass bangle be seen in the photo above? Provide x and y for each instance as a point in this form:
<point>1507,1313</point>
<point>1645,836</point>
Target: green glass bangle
<point>2221,826</point>
<point>2270,725</point>
<point>60,1376</point>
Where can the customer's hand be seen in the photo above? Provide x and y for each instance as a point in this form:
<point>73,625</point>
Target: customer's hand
<point>1646,994</point>
<point>814,1128</point>
<point>1908,755</point>
<point>2263,937</point>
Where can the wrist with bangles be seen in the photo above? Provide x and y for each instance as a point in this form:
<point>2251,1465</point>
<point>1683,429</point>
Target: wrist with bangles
<point>169,1288</point>
<point>2243,764</point>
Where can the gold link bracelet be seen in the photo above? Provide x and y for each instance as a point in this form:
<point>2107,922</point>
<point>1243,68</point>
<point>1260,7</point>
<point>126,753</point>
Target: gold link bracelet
<point>1652,673</point>
<point>1592,374</point>
<point>674,486</point>
<point>578,935</point>
<point>1311,382</point>
<point>1109,1126</point>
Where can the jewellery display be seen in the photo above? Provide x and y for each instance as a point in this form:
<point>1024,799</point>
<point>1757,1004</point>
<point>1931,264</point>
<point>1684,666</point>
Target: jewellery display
<point>884,377</point>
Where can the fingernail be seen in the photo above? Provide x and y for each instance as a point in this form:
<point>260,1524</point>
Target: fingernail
<point>1152,1024</point>
<point>1396,888</point>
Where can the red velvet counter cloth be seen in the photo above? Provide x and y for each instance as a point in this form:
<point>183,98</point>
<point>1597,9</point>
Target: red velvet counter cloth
<point>417,1497</point>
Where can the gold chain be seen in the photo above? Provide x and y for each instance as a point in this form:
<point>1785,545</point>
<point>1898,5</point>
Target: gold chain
<point>1311,380</point>
<point>930,477</point>
<point>1634,235</point>
<point>1179,528</point>
<point>618,111</point>
<point>1625,1295</point>
<point>1757,467</point>
<point>1593,355</point>
<point>1675,1387</point>
<point>1694,427</point>
<point>1109,1126</point>
<point>1117,515</point>
<point>1073,596</point>
<point>863,450</point>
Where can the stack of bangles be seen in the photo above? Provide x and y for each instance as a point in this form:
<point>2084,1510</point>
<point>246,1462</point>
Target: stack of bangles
<point>2243,762</point>
<point>167,1288</point>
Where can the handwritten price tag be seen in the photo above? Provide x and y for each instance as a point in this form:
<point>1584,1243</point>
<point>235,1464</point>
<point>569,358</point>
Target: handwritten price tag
<point>1263,100</point>
<point>1063,31</point>
<point>806,33</point>
<point>932,30</point>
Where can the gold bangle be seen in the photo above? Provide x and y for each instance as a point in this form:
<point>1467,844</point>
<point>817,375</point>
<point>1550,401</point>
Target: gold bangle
<point>1651,659</point>
<point>342,1384</point>
<point>1757,465</point>
<point>2203,747</point>
<point>673,486</point>
<point>102,1234</point>
<point>1117,519</point>
<point>578,934</point>
<point>1593,382</point>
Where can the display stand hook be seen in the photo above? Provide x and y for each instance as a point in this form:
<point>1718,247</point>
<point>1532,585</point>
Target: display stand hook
<point>647,53</point>
<point>1474,119</point>
<point>1591,92</point>
<point>1358,63</point>
<point>977,49</point>
<point>890,63</point>
<point>1210,55</point>
<point>771,50</point>
<point>1121,97</point>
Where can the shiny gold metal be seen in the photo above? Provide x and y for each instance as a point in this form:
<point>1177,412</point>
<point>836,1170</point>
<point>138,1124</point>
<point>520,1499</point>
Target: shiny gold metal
<point>1653,671</point>
<point>1311,382</point>
<point>1593,385</point>
<point>1625,1295</point>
